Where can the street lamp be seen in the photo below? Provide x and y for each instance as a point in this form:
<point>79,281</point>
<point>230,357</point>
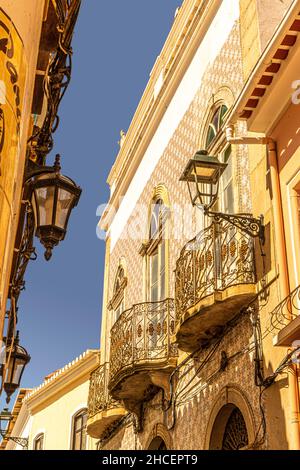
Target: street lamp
<point>52,196</point>
<point>16,360</point>
<point>5,419</point>
<point>202,174</point>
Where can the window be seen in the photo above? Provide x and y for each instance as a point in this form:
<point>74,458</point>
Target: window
<point>38,443</point>
<point>215,124</point>
<point>117,303</point>
<point>79,430</point>
<point>156,288</point>
<point>226,183</point>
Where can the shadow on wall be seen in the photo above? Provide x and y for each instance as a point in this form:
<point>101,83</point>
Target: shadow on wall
<point>274,412</point>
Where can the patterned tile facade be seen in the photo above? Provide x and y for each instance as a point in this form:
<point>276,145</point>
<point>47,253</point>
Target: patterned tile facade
<point>192,412</point>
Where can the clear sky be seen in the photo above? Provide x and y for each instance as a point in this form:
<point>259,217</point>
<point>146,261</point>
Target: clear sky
<point>115,46</point>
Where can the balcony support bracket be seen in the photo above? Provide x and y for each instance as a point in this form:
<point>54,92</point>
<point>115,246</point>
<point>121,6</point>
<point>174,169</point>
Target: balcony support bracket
<point>244,222</point>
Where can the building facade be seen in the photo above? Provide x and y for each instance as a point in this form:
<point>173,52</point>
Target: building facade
<point>20,46</point>
<point>35,70</point>
<point>188,349</point>
<point>53,416</point>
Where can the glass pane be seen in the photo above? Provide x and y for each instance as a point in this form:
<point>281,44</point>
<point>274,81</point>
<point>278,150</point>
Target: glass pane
<point>229,199</point>
<point>77,425</point>
<point>154,268</point>
<point>64,203</point>
<point>154,293</point>
<point>2,353</point>
<point>215,121</point>
<point>162,269</point>
<point>227,175</point>
<point>83,440</point>
<point>210,135</point>
<point>77,441</point>
<point>17,373</point>
<point>44,199</point>
<point>162,285</point>
<point>223,111</point>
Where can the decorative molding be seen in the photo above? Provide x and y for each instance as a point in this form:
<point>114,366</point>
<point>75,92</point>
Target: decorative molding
<point>118,295</point>
<point>80,367</point>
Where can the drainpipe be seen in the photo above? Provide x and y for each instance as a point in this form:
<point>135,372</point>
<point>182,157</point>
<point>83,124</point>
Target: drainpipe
<point>281,257</point>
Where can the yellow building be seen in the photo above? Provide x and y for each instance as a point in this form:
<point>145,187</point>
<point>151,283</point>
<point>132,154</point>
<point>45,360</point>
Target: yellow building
<point>53,415</point>
<point>195,301</point>
<point>35,69</point>
<point>21,44</point>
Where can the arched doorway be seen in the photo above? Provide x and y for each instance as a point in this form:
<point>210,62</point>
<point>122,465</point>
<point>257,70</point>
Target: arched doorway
<point>229,431</point>
<point>157,444</point>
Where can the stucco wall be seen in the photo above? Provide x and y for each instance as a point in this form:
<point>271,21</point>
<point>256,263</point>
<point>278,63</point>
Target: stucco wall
<point>55,419</point>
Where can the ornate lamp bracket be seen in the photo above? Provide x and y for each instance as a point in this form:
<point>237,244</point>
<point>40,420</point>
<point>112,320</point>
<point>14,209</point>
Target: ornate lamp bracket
<point>250,225</point>
<point>21,441</point>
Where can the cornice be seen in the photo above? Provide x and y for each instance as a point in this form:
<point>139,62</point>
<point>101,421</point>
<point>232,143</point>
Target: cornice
<point>63,378</point>
<point>189,28</point>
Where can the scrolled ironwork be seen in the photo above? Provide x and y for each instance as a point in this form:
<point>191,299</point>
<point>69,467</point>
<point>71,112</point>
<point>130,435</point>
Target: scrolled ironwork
<point>244,222</point>
<point>57,77</point>
<point>141,335</point>
<point>221,256</point>
<point>286,311</point>
<point>99,398</point>
<point>21,441</point>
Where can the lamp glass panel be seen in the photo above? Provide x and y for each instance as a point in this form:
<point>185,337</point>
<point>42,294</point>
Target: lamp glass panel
<point>17,372</point>
<point>203,171</point>
<point>2,353</point>
<point>44,200</point>
<point>64,204</point>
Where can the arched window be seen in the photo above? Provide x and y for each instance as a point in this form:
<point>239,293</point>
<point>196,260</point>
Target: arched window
<point>156,253</point>
<point>79,430</point>
<point>229,431</point>
<point>38,442</point>
<point>157,444</point>
<point>235,434</point>
<point>215,124</point>
<point>117,303</point>
<point>225,202</point>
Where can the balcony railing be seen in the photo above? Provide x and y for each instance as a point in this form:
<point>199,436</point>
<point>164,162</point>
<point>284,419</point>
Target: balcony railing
<point>141,337</point>
<point>99,399</point>
<point>285,320</point>
<point>221,256</point>
<point>287,311</point>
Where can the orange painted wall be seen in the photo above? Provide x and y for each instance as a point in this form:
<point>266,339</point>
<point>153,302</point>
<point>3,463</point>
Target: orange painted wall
<point>287,136</point>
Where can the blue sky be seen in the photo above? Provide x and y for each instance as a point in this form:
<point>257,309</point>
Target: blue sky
<point>115,46</point>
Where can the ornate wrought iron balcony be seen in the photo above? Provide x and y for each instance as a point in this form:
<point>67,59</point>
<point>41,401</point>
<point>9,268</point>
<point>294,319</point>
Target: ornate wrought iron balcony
<point>103,410</point>
<point>215,278</point>
<point>142,354</point>
<point>285,319</point>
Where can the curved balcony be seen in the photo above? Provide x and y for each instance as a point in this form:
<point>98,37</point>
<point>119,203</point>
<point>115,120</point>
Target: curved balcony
<point>103,410</point>
<point>285,320</point>
<point>215,278</point>
<point>142,355</point>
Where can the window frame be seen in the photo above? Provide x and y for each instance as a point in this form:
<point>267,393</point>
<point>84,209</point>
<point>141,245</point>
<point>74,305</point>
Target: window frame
<point>39,437</point>
<point>117,304</point>
<point>79,414</point>
<point>157,241</point>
